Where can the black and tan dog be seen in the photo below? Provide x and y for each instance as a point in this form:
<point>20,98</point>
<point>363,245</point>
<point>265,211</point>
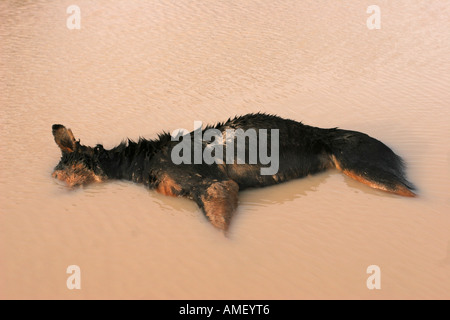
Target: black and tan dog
<point>303,150</point>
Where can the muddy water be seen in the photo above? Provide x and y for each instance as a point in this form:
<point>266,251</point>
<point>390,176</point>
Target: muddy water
<point>140,67</point>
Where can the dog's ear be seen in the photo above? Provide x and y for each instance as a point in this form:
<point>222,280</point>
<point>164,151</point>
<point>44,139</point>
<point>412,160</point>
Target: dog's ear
<point>64,138</point>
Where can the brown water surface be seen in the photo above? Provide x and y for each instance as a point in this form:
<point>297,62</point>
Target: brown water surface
<point>136,68</point>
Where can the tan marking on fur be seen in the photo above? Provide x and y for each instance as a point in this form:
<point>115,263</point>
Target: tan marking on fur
<point>361,179</point>
<point>63,148</point>
<point>220,201</point>
<point>71,137</point>
<point>77,175</point>
<point>222,167</point>
<point>336,163</point>
<point>168,187</point>
<point>405,192</point>
<point>236,171</point>
<point>400,189</point>
<point>328,162</point>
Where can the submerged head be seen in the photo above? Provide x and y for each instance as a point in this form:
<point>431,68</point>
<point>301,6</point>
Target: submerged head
<point>79,165</point>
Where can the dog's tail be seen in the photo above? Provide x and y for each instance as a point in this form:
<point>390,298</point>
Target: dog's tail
<point>369,161</point>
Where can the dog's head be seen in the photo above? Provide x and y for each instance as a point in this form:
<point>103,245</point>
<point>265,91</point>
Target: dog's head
<point>79,165</point>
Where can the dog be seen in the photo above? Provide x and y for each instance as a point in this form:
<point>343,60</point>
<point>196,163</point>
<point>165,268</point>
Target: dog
<point>303,150</point>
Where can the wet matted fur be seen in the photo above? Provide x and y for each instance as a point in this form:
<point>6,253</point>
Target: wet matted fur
<point>303,150</point>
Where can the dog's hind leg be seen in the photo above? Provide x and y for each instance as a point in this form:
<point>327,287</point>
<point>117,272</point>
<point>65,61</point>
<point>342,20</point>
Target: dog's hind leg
<point>218,200</point>
<point>215,195</point>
